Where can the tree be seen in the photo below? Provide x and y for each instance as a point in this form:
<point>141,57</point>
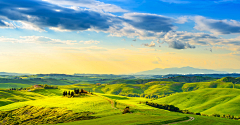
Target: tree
<point>64,93</point>
<point>69,93</point>
<point>72,94</point>
<point>126,110</point>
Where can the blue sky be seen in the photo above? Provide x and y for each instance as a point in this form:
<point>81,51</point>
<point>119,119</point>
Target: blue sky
<point>118,36</point>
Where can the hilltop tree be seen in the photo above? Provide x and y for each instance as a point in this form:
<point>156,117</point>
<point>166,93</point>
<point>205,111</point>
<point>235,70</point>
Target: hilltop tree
<point>72,94</point>
<point>64,93</point>
<point>76,91</point>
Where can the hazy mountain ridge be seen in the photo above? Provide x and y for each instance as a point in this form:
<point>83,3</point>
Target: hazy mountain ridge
<point>183,70</point>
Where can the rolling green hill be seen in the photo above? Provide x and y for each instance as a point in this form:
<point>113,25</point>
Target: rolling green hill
<point>8,97</point>
<point>48,106</point>
<point>207,101</point>
<point>225,82</point>
<point>153,89</point>
<point>18,83</point>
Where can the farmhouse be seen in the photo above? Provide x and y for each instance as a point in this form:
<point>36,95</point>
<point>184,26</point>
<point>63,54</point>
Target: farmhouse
<point>37,86</point>
<point>83,91</point>
<point>98,84</point>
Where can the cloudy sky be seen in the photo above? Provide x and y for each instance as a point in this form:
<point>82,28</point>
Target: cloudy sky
<point>118,36</point>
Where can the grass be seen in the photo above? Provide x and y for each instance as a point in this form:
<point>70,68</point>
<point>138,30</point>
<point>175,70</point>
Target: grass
<point>40,115</point>
<point>8,97</point>
<point>207,101</point>
<point>13,85</point>
<point>101,105</point>
<point>211,97</point>
<point>88,103</point>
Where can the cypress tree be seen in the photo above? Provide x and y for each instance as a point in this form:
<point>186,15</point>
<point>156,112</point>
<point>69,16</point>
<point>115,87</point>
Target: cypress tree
<point>72,94</point>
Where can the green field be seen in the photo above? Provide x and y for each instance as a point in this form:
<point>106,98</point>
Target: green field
<point>106,104</point>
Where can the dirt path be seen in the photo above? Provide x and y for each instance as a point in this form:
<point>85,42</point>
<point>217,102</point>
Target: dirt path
<point>191,119</point>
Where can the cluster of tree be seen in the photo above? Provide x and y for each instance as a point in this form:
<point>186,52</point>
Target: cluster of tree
<point>13,89</point>
<point>164,106</point>
<point>176,109</point>
<point>17,89</point>
<point>143,95</point>
<point>48,86</point>
<point>75,92</point>
<point>71,94</point>
<point>224,116</point>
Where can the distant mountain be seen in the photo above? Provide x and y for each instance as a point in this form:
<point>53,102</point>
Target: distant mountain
<point>13,74</point>
<point>183,70</point>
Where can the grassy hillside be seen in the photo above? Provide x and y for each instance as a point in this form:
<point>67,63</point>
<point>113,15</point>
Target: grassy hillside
<point>154,89</point>
<point>8,97</point>
<point>47,106</point>
<point>100,106</point>
<point>7,83</point>
<point>150,89</point>
<point>207,101</point>
<point>225,82</point>
<point>13,85</point>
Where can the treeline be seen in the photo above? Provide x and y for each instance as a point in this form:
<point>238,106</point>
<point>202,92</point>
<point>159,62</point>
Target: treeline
<point>143,95</point>
<point>176,109</point>
<point>17,89</point>
<point>45,86</point>
<point>40,86</point>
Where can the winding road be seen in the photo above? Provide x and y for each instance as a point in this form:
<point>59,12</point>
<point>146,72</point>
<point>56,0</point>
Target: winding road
<point>191,119</point>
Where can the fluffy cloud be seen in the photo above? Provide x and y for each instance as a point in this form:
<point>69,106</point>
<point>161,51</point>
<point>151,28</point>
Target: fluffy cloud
<point>180,45</point>
<point>217,26</point>
<point>152,44</point>
<point>64,15</point>
<point>183,40</point>
<point>149,22</point>
<point>142,25</point>
<point>4,24</point>
<point>44,15</point>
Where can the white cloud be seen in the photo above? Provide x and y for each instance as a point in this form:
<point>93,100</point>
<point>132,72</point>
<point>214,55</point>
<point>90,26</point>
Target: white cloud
<point>217,26</point>
<point>5,24</point>
<point>152,44</point>
<point>27,25</point>
<point>182,20</point>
